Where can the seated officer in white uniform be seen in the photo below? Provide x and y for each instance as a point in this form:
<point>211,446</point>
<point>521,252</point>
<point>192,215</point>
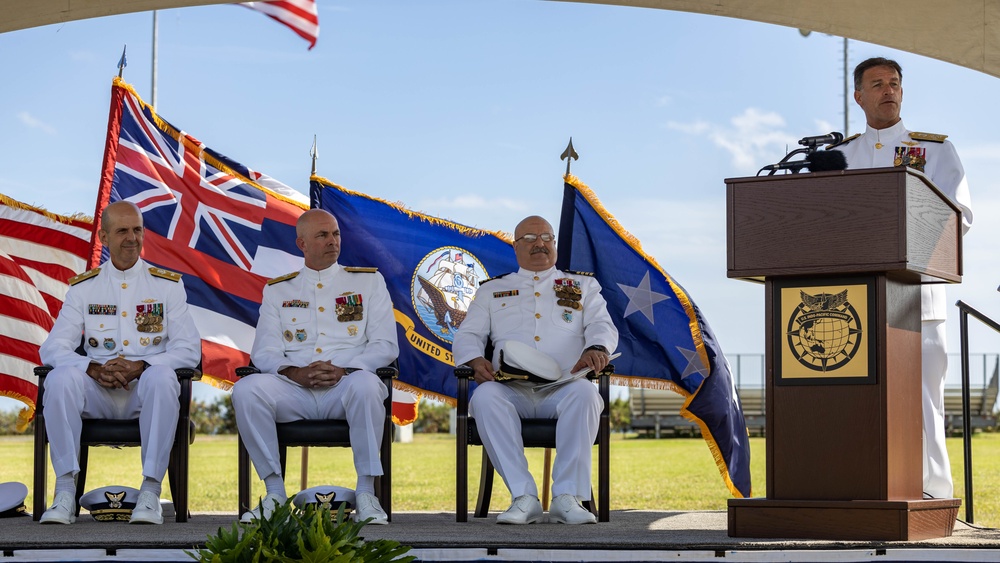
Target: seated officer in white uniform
<point>136,330</point>
<point>322,333</point>
<point>878,89</point>
<point>563,315</point>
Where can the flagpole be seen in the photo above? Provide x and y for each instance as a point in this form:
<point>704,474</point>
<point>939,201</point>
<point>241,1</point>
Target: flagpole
<point>314,153</point>
<point>152,97</point>
<point>304,472</point>
<point>562,263</point>
<point>566,217</point>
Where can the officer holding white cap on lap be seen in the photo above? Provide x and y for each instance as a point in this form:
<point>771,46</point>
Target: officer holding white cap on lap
<point>554,314</point>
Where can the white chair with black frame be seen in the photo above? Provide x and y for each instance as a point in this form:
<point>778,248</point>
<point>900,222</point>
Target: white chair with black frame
<point>535,433</point>
<point>329,433</point>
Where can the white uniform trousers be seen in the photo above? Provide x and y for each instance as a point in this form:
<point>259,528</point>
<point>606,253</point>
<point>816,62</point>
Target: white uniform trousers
<point>71,396</point>
<point>263,399</point>
<point>498,409</point>
<point>934,358</point>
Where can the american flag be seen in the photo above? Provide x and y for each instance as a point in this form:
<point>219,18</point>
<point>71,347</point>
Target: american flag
<point>227,228</point>
<point>39,252</point>
<point>299,15</point>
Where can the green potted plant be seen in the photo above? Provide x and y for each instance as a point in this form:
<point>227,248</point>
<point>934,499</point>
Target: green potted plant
<point>311,534</point>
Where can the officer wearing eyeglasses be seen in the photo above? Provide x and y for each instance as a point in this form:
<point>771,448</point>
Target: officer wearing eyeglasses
<point>563,315</point>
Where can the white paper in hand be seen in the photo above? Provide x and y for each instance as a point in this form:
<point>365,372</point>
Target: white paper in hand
<point>571,377</point>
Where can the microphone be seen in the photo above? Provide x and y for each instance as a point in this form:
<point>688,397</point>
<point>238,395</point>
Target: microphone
<point>828,139</point>
<point>818,161</point>
<point>825,161</point>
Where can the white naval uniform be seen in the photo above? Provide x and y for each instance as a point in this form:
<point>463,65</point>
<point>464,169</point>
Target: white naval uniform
<point>106,308</point>
<point>522,306</point>
<point>299,325</point>
<point>945,169</point>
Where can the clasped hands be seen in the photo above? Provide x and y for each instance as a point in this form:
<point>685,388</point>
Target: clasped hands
<point>320,373</point>
<point>596,360</point>
<point>116,373</point>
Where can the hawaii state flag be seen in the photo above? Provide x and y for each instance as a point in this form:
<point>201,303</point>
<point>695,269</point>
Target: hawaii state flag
<point>664,339</point>
<point>227,228</point>
<point>432,268</point>
<point>39,252</point>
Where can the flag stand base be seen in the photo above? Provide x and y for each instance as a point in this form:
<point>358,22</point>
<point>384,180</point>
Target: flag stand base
<point>892,520</point>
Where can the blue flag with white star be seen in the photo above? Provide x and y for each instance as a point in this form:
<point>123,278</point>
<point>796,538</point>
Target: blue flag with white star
<point>664,340</point>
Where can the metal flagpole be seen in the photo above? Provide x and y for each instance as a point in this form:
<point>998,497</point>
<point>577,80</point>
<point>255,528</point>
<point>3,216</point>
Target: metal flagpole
<point>569,155</point>
<point>152,98</point>
<point>122,62</point>
<point>304,469</point>
<point>846,81</point>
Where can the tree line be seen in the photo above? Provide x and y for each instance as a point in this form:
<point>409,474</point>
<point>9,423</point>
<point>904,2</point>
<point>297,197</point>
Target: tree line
<point>217,417</point>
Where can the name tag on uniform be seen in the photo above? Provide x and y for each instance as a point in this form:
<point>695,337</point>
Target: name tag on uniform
<point>94,309</point>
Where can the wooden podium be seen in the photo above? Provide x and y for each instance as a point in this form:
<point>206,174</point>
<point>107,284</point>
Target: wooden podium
<point>842,256</point>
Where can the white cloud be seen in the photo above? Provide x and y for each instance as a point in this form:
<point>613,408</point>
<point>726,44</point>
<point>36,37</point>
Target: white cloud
<point>751,138</point>
<point>664,100</point>
<point>34,123</point>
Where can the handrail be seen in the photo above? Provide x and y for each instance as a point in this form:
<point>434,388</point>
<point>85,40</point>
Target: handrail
<point>964,311</point>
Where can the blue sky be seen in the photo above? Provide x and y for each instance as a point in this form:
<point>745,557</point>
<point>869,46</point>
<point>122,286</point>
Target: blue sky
<point>461,109</point>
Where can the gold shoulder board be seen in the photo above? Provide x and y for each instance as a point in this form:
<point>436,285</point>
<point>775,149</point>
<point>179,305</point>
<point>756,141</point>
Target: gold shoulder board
<point>84,276</point>
<point>165,274</point>
<point>575,273</point>
<point>844,142</point>
<point>932,137</point>
<point>280,279</point>
<point>493,278</point>
<point>360,270</point>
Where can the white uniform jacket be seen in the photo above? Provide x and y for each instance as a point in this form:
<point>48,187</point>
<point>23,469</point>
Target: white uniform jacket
<point>941,164</point>
<point>342,315</point>
<point>139,314</point>
<point>522,306</point>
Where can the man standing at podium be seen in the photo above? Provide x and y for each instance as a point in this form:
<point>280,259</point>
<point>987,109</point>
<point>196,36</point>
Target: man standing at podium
<point>886,142</point>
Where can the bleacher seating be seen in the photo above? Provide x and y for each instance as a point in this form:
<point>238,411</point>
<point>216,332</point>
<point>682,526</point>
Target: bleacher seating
<point>982,401</point>
<point>657,412</point>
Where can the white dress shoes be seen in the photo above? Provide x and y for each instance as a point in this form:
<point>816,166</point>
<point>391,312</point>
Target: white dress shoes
<point>566,509</point>
<point>147,509</point>
<point>62,511</point>
<point>367,506</point>
<point>524,510</point>
<point>263,510</point>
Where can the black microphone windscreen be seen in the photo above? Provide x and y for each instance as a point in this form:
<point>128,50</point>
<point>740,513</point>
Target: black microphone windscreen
<point>825,161</point>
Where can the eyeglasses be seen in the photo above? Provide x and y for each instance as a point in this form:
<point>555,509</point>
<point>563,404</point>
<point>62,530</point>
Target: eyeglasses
<point>532,237</point>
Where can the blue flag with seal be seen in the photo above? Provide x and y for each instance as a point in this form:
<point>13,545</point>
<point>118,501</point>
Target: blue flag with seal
<point>432,268</point>
<point>664,340</point>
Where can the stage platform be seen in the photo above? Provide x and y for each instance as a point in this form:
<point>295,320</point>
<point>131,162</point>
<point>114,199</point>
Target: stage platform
<point>631,535</point>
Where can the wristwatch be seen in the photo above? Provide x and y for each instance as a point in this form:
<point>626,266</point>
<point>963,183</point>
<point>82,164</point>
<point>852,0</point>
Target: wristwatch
<point>599,348</point>
<point>145,366</point>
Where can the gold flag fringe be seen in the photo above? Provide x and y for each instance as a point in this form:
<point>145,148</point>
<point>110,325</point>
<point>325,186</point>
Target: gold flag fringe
<point>423,394</point>
<point>10,202</point>
<point>430,219</point>
<point>217,382</point>
<point>693,325</point>
<point>199,149</point>
<point>25,415</point>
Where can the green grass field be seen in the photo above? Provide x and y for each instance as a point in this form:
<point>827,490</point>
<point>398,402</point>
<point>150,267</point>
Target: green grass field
<point>674,474</point>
